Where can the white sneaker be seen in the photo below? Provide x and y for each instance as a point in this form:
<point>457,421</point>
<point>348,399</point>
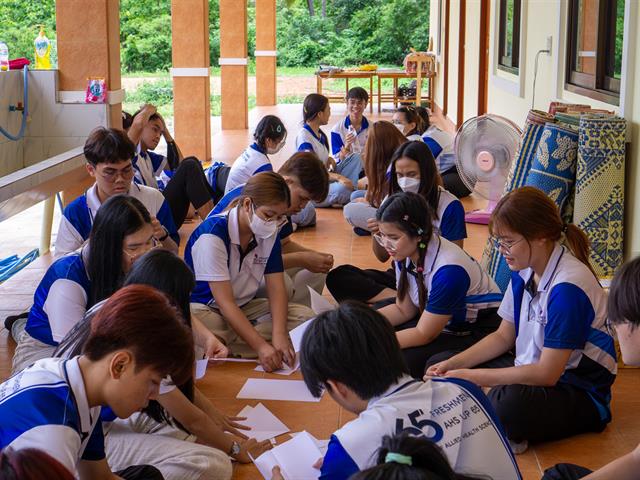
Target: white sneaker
<point>518,448</point>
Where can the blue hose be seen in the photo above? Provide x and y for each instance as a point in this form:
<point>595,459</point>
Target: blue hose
<point>25,112</point>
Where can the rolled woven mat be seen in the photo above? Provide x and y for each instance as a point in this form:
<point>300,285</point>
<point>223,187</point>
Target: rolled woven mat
<point>555,107</point>
<point>599,202</point>
<point>492,261</point>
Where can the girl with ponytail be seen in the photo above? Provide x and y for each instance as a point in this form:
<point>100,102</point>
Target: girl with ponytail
<point>554,313</point>
<point>445,300</point>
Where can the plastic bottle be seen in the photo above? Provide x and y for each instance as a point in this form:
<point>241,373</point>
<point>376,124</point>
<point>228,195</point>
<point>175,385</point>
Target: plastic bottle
<point>355,146</point>
<point>4,57</point>
<point>42,51</point>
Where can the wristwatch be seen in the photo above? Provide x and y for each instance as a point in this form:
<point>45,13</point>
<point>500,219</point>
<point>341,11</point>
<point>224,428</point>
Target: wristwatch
<point>166,234</point>
<point>235,449</point>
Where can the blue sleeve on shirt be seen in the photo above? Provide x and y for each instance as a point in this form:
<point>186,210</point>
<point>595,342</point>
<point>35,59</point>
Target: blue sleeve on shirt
<point>95,446</point>
<point>77,212</point>
<point>452,226</point>
<point>274,264</point>
<point>336,143</point>
<point>305,147</point>
<point>264,168</point>
<point>449,288</point>
<point>569,317</point>
<point>337,464</point>
<point>286,230</point>
<point>165,217</point>
<point>434,146</point>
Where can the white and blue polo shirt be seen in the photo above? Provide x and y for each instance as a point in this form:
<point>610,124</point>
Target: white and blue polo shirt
<point>252,161</point>
<point>61,298</point>
<point>452,413</point>
<point>450,223</point>
<point>231,195</point>
<point>340,131</point>
<point>213,253</point>
<point>455,283</point>
<point>151,169</point>
<point>308,141</point>
<point>45,407</point>
<point>441,145</point>
<point>77,218</point>
<point>568,310</point>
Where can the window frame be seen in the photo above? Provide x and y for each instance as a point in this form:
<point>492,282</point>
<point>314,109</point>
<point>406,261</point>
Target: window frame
<point>510,64</point>
<point>600,86</point>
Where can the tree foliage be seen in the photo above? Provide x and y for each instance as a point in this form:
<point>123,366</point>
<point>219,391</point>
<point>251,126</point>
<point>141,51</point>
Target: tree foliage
<point>340,32</point>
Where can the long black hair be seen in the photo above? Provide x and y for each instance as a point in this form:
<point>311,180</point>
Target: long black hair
<point>427,461</point>
<point>119,216</point>
<point>430,179</point>
<point>169,274</point>
<point>411,214</point>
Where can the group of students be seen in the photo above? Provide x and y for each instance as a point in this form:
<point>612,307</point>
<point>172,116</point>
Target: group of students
<point>429,348</point>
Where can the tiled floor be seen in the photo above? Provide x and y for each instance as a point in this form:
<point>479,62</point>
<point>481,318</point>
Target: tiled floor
<point>332,234</point>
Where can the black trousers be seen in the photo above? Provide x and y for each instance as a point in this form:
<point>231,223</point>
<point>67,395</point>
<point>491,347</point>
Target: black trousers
<point>140,472</point>
<point>565,471</point>
<point>188,186</point>
<point>453,183</point>
<point>418,358</point>
<point>348,282</point>
<point>536,413</point>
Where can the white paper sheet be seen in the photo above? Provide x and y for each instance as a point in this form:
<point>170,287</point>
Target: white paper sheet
<point>264,424</point>
<point>297,333</point>
<point>322,445</point>
<point>268,389</point>
<point>295,458</point>
<point>285,370</point>
<point>234,360</point>
<point>319,304</point>
<point>201,368</point>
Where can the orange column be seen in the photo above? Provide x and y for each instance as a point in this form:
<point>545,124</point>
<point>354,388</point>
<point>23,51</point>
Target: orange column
<point>190,72</point>
<point>88,38</point>
<point>266,52</point>
<point>233,64</point>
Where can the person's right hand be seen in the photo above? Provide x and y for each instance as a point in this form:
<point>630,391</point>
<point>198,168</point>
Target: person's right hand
<point>372,225</point>
<point>276,474</point>
<point>252,447</point>
<point>349,139</point>
<point>270,358</point>
<point>145,112</point>
<point>317,262</point>
<point>438,369</point>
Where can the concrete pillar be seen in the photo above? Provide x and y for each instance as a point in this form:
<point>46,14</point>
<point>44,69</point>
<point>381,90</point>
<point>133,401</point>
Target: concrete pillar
<point>88,37</point>
<point>191,83</point>
<point>233,64</point>
<point>266,93</point>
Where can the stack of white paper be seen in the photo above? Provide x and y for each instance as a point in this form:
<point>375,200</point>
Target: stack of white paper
<point>323,445</point>
<point>268,389</point>
<point>295,459</point>
<point>264,424</point>
<point>201,368</point>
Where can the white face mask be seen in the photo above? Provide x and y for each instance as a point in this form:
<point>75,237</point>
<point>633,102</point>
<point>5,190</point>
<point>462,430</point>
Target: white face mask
<point>273,151</point>
<point>408,184</point>
<point>261,228</point>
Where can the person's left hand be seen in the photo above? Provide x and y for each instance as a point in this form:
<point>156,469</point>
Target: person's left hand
<point>158,229</point>
<point>229,424</point>
<point>467,374</point>
<point>214,348</point>
<point>282,343</point>
<point>276,474</point>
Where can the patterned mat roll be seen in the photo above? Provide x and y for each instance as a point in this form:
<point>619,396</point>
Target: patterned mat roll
<point>599,202</point>
<point>492,261</point>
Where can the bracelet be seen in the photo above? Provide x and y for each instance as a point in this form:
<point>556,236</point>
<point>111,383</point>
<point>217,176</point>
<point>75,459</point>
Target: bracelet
<point>164,237</point>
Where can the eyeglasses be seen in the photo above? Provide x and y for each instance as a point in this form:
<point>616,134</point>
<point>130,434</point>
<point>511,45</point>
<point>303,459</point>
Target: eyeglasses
<point>505,246</point>
<point>386,242</point>
<point>112,175</point>
<point>280,220</point>
<point>138,251</point>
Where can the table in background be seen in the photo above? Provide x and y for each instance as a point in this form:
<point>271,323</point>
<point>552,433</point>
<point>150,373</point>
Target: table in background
<point>320,76</point>
<point>395,75</point>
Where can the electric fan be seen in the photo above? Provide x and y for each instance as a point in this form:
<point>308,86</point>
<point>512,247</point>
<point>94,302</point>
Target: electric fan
<point>485,146</point>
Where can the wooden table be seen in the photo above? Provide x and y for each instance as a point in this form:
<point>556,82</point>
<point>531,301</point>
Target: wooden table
<point>395,75</point>
<point>320,76</point>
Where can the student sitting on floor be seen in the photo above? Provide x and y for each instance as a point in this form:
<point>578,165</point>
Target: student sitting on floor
<point>230,254</point>
<point>54,405</point>
<point>108,152</point>
<point>412,170</point>
<point>352,352</point>
<point>442,146</point>
<point>182,420</point>
<point>307,180</point>
<point>382,141</point>
<point>624,313</point>
<point>269,138</point>
<point>181,180</point>
<point>554,312</point>
<point>349,136</point>
<point>411,121</point>
<point>445,300</point>
<point>316,112</point>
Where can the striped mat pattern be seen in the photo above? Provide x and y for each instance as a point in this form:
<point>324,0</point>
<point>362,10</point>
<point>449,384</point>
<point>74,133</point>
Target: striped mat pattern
<point>599,200</point>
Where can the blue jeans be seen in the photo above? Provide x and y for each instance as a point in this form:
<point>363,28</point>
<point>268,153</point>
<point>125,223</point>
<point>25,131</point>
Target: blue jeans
<point>306,217</point>
<point>338,195</point>
<point>358,194</point>
<point>351,167</point>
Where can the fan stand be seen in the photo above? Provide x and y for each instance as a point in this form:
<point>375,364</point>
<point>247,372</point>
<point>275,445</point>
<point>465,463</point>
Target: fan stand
<point>481,217</point>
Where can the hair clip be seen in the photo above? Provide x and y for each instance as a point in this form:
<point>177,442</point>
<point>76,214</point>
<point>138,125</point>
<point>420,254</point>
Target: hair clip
<point>419,230</point>
<point>279,128</point>
<point>565,227</point>
<point>422,245</point>
<point>405,218</point>
<point>419,269</point>
<point>393,457</point>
